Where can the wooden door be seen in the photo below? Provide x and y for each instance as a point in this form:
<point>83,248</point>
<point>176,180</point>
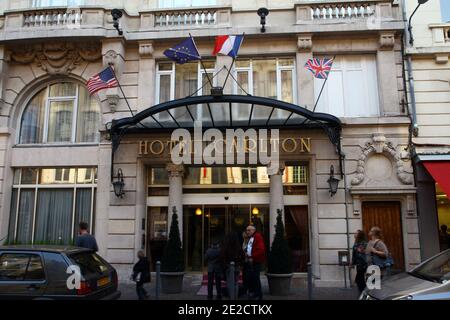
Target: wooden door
<point>387,216</point>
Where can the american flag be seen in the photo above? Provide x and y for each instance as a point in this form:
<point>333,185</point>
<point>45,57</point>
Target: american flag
<point>103,80</point>
<point>319,67</point>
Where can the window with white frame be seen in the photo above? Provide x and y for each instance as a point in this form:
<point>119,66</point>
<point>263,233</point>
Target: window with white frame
<point>270,78</point>
<point>56,3</point>
<point>176,81</point>
<point>48,204</point>
<point>352,87</point>
<point>61,113</point>
<point>185,3</point>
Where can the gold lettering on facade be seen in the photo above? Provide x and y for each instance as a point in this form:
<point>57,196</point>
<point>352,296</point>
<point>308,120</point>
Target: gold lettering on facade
<point>143,148</point>
<point>161,147</point>
<point>305,143</point>
<point>285,145</point>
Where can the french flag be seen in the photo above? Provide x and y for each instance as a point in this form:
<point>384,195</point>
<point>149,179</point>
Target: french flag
<point>228,45</point>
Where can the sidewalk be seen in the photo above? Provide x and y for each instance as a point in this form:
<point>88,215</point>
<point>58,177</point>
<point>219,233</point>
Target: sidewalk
<point>192,284</point>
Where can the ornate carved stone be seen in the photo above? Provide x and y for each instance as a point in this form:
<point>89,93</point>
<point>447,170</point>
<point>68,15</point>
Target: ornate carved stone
<point>113,101</point>
<point>175,170</point>
<point>380,145</point>
<point>56,57</point>
<point>110,57</point>
<point>146,49</point>
<point>304,43</point>
<point>275,168</point>
<point>387,41</point>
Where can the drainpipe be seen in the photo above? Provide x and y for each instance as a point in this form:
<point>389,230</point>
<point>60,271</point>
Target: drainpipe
<point>415,127</point>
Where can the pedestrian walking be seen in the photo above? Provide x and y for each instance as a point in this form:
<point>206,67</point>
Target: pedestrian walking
<point>359,260</point>
<point>85,239</point>
<point>246,266</point>
<point>141,275</point>
<point>377,252</point>
<point>231,251</point>
<point>255,255</point>
<point>212,257</point>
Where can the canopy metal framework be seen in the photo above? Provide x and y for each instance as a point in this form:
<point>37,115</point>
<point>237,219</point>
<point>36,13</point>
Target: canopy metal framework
<point>225,112</point>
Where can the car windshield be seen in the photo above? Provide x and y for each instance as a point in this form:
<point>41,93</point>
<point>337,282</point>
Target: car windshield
<point>89,263</point>
<point>437,269</point>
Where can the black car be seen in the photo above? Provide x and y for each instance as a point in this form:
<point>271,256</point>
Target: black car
<point>42,272</point>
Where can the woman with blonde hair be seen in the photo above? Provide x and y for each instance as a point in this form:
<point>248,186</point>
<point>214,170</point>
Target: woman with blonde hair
<point>377,252</point>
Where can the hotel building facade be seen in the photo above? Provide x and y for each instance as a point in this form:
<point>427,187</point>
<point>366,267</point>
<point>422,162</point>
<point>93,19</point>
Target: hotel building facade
<point>61,149</point>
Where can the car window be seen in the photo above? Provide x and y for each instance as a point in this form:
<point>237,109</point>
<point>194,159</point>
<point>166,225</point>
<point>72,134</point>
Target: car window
<point>20,266</point>
<point>437,269</point>
<point>89,263</point>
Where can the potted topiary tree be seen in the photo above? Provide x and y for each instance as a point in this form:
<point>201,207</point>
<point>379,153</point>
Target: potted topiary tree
<point>279,266</point>
<point>172,264</point>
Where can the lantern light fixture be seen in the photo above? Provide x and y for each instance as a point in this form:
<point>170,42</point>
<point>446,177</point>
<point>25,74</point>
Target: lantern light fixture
<point>198,212</point>
<point>119,184</point>
<point>333,182</point>
<point>255,211</point>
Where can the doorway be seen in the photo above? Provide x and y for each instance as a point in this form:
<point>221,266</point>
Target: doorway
<point>387,216</point>
<point>207,224</point>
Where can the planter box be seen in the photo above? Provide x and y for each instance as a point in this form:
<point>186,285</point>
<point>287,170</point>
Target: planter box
<point>172,282</point>
<point>279,284</point>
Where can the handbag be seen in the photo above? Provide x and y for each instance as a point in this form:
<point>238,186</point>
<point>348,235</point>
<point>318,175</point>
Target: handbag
<point>383,263</point>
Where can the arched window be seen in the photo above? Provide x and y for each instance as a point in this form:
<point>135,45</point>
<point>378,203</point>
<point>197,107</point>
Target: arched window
<point>61,113</point>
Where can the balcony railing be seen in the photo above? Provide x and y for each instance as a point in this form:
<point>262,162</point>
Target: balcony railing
<point>441,34</point>
<point>52,18</point>
<point>333,11</point>
<point>341,11</point>
<point>199,17</point>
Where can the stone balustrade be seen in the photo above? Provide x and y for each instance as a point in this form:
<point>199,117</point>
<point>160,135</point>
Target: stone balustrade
<point>190,17</point>
<point>441,34</point>
<point>52,18</point>
<point>332,11</point>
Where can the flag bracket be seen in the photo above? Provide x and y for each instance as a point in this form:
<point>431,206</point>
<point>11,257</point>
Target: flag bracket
<point>217,91</point>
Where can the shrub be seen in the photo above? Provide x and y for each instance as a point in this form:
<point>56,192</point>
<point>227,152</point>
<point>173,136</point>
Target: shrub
<point>173,257</point>
<point>279,260</point>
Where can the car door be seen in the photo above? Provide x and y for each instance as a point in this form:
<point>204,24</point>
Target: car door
<point>22,275</point>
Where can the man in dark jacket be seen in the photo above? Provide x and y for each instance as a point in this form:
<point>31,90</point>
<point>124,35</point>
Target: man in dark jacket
<point>141,274</point>
<point>255,257</point>
<point>214,270</point>
<point>86,240</point>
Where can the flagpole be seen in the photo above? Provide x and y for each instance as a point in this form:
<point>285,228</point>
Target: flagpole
<point>234,59</point>
<point>321,90</point>
<point>201,62</point>
<point>121,90</point>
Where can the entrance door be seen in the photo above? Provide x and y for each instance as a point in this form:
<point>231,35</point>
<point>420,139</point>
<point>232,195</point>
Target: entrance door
<point>204,225</point>
<point>387,216</point>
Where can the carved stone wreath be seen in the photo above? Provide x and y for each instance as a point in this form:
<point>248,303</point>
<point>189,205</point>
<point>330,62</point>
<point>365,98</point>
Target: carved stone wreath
<point>379,145</point>
<point>57,57</point>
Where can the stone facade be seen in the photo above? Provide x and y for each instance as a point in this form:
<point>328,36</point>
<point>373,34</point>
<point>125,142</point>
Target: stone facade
<point>377,168</point>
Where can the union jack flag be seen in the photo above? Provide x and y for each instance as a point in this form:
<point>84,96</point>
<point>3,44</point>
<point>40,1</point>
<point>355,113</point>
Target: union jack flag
<point>320,68</point>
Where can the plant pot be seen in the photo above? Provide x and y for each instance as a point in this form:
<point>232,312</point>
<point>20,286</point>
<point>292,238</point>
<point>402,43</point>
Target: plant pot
<point>172,282</point>
<point>279,284</point>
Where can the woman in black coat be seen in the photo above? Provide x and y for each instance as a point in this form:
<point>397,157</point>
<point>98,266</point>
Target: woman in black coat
<point>141,274</point>
<point>359,259</point>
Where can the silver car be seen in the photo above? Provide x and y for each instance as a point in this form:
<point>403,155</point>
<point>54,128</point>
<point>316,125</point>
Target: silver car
<point>430,280</point>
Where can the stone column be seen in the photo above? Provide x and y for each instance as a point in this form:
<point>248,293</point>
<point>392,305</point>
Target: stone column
<point>147,75</point>
<point>305,81</point>
<point>175,195</point>
<point>276,198</point>
<point>388,86</point>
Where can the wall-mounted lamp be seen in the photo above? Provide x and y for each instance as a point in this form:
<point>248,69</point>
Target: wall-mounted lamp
<point>198,212</point>
<point>117,14</point>
<point>333,182</point>
<point>263,13</point>
<point>255,211</point>
<point>119,184</point>
<point>411,38</point>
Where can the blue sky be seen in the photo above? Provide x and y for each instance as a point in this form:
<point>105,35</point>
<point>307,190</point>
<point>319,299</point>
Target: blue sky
<point>445,9</point>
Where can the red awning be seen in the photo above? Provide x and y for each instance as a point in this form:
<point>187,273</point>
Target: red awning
<point>440,171</point>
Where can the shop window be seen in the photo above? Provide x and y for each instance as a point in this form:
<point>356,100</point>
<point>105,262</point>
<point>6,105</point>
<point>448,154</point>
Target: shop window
<point>443,208</point>
<point>61,113</point>
<point>351,89</point>
<point>48,204</point>
<point>185,3</point>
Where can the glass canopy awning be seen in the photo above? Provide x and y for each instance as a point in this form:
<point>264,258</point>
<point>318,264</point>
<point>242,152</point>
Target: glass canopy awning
<point>224,112</point>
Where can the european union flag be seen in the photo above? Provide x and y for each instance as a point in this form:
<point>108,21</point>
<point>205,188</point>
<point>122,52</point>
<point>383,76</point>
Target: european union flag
<point>184,52</point>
